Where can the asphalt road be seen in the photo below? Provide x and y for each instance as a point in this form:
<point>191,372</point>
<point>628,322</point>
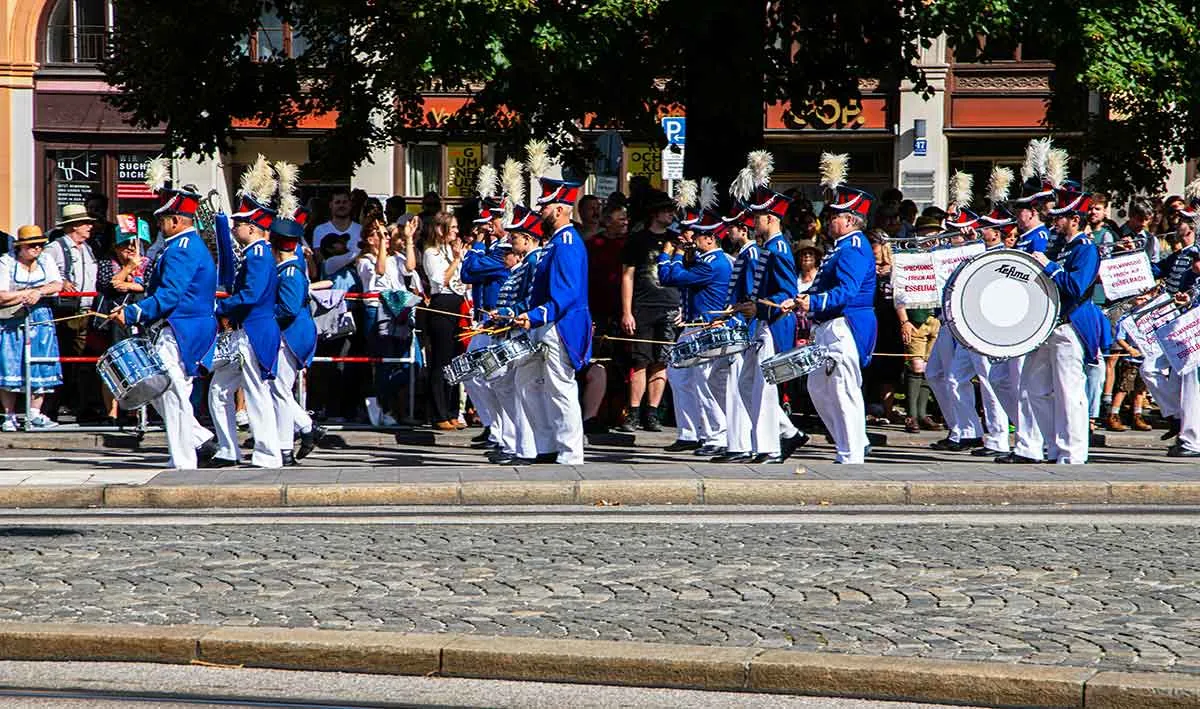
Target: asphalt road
<point>1102,590</point>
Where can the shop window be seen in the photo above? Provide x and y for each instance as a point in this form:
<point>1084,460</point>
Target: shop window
<point>275,38</point>
<point>78,30</point>
<point>424,166</point>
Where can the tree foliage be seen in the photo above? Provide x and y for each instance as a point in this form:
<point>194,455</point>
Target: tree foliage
<point>556,67</point>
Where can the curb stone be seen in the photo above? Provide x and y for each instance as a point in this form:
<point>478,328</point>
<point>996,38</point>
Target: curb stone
<point>693,491</point>
<point>605,662</point>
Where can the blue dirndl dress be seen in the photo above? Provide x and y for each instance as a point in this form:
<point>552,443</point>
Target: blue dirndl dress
<point>44,340</point>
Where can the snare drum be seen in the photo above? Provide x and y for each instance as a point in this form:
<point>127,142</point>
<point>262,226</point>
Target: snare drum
<point>1000,304</point>
<point>495,359</point>
<point>787,366</point>
<point>684,354</point>
<point>722,341</point>
<point>133,372</point>
<point>463,367</point>
<point>227,353</point>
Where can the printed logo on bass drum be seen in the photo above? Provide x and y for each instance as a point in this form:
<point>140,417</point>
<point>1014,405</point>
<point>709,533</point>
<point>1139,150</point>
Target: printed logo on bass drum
<point>1010,271</point>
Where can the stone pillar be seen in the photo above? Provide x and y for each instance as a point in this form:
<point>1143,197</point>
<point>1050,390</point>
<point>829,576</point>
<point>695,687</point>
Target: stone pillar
<point>17,160</point>
<point>377,175</point>
<point>923,178</point>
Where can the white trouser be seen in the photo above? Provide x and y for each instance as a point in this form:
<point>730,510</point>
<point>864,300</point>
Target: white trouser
<point>713,376</point>
<point>1189,410</point>
<point>561,397</point>
<point>836,391</point>
<point>290,416</point>
<point>1054,401</point>
<point>949,374</point>
<point>995,412</point>
<point>174,406</point>
<point>1160,385</point>
<point>522,391</point>
<point>481,392</point>
<point>760,421</point>
<point>260,408</point>
<point>686,395</point>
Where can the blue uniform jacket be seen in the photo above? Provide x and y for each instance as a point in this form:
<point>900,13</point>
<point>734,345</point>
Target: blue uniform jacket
<point>745,278</point>
<point>182,290</point>
<point>779,284</point>
<point>559,294</point>
<point>1035,240</point>
<point>292,313</point>
<point>1075,273</point>
<point>514,294</point>
<point>845,286</point>
<point>252,304</point>
<point>483,268</point>
<point>704,284</point>
<point>1174,268</point>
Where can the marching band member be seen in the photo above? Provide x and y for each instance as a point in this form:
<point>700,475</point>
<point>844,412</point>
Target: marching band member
<point>699,392</point>
<point>527,435</point>
<point>1036,193</point>
<point>179,302</point>
<point>1052,397</point>
<point>250,308</point>
<point>297,344</point>
<point>484,270</point>
<point>742,433</point>
<point>841,304</point>
<point>559,315</point>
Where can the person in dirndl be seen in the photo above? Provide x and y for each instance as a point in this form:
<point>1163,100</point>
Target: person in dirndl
<point>27,277</point>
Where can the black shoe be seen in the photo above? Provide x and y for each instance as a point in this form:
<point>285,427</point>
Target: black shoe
<point>630,424</point>
<point>652,423</point>
<point>767,458</point>
<point>593,425</point>
<point>289,460</point>
<point>483,435</point>
<point>498,455</point>
<point>680,446</point>
<point>986,453</point>
<point>1178,451</point>
<point>308,441</point>
<point>942,445</point>
<point>207,450</point>
<point>546,458</point>
<point>1014,459</point>
<point>1172,429</point>
<point>967,444</point>
<point>215,462</point>
<point>788,446</point>
<point>248,444</point>
<point>513,460</point>
<point>734,457</point>
<point>709,451</point>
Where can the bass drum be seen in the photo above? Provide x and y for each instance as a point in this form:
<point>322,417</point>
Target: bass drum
<point>1000,304</point>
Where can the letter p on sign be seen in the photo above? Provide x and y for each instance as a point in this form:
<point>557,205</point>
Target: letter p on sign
<point>676,129</point>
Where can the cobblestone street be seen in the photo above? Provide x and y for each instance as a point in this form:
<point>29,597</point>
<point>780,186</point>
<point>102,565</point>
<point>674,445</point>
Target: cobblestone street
<point>1093,593</point>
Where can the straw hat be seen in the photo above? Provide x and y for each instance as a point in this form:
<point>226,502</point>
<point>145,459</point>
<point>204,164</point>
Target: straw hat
<point>73,214</point>
<point>29,235</point>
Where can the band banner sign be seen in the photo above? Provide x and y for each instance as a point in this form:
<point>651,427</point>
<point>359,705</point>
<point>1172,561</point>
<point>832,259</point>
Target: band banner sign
<point>1145,324</point>
<point>945,261</point>
<point>1126,275</point>
<point>913,282</point>
<point>1180,341</point>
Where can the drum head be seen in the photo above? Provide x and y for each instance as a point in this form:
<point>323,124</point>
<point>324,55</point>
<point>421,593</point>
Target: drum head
<point>1001,304</point>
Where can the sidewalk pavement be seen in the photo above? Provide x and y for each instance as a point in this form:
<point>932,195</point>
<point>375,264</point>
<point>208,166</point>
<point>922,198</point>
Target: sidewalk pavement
<point>420,467</point>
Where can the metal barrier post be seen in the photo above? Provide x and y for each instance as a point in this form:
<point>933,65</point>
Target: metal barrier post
<point>27,346</point>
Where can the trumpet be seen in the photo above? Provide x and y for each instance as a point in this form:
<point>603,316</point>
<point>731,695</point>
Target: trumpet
<point>1121,247</point>
<point>926,242</point>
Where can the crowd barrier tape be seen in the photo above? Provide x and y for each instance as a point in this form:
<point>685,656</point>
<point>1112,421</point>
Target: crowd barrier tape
<point>141,427</point>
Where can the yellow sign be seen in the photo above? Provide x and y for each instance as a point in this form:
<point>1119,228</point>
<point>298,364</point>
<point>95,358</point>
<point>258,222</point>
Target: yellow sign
<point>646,161</point>
<point>463,160</point>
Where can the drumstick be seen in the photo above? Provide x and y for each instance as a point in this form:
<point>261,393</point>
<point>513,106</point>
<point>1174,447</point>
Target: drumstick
<point>439,312</point>
<point>770,304</point>
<point>88,314</point>
<point>632,339</point>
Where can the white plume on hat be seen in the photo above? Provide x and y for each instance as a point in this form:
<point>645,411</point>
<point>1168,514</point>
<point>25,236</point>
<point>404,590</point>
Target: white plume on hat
<point>687,194</point>
<point>998,183</point>
<point>486,182</point>
<point>743,185</point>
<point>258,181</point>
<point>1056,167</point>
<point>288,176</point>
<point>708,193</point>
<point>537,158</point>
<point>512,184</point>
<point>158,171</point>
<point>1192,192</point>
<point>961,184</point>
<point>1036,155</point>
<point>834,168</point>
<point>761,164</point>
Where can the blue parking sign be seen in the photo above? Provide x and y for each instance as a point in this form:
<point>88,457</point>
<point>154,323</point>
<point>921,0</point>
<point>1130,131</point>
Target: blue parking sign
<point>676,129</point>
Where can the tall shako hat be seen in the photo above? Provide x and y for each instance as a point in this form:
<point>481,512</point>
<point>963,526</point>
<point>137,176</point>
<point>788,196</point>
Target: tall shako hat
<point>1191,195</point>
<point>1069,197</point>
<point>255,193</point>
<point>512,186</point>
<point>172,202</point>
<point>522,219</point>
<point>687,195</point>
<point>840,197</point>
<point>762,199</point>
<point>288,228</point>
<point>961,193</point>
<point>1042,172</point>
<point>998,183</point>
<point>553,191</point>
<point>487,186</point>
<point>742,190</point>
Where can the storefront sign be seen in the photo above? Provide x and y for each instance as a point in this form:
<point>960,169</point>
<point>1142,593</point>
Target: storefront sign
<point>1126,275</point>
<point>464,160</point>
<point>131,176</point>
<point>77,174</point>
<point>646,161</point>
<point>829,114</point>
<point>1180,341</point>
<point>914,283</point>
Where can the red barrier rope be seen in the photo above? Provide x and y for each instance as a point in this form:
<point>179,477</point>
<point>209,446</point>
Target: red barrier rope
<point>93,294</point>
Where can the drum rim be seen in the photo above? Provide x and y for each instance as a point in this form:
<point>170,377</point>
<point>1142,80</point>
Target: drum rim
<point>955,324</point>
